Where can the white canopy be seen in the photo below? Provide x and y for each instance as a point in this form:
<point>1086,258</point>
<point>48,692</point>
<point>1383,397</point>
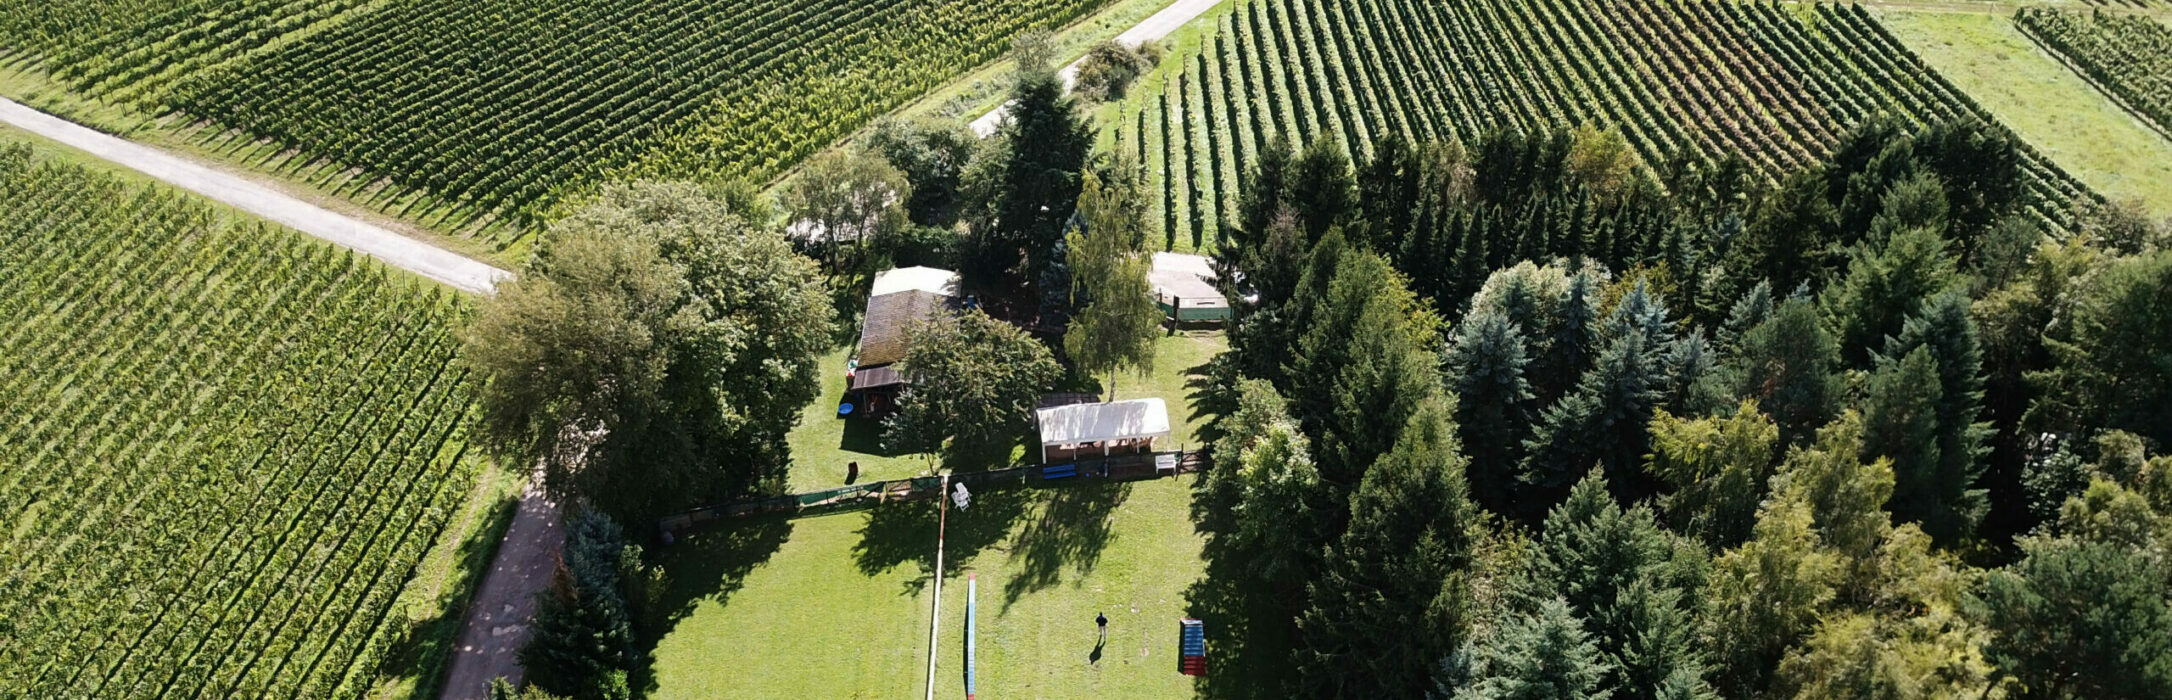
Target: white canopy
<point>1135,419</point>
<point>916,279</point>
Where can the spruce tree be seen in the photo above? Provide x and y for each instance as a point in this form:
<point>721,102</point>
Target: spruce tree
<point>1786,364</point>
<point>1602,421</point>
<point>1266,190</point>
<point>1621,573</point>
<point>1541,656</point>
<point>1752,309</point>
<point>1575,336</point>
<point>1485,364</point>
<point>583,646</point>
<point>1657,654</point>
<point>1321,189</point>
<point>1392,598</point>
<point>1361,366</point>
<point>1048,141</point>
<point>1883,288</point>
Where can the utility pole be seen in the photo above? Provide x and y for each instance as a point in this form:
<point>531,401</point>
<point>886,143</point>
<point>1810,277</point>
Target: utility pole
<point>936,618</point>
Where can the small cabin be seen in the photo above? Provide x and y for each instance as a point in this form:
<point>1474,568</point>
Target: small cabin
<point>902,298</point>
<point>1184,288</point>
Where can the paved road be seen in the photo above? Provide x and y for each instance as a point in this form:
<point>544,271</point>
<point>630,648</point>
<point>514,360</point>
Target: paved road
<point>1159,25</point>
<point>377,242</point>
<point>497,623</point>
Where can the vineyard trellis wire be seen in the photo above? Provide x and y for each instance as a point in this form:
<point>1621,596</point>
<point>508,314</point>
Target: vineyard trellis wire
<point>223,450</point>
<point>1776,84</point>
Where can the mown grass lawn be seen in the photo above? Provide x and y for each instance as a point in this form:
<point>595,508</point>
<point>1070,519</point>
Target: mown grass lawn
<point>822,443</point>
<point>2050,106</point>
<point>837,606</point>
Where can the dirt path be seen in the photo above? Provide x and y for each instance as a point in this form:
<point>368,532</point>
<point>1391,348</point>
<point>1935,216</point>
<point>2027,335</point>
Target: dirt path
<point>497,624</point>
<point>1154,27</point>
<point>394,249</point>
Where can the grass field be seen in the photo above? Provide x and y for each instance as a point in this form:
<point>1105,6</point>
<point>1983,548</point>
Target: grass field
<point>2048,105</point>
<point>822,444</point>
<point>837,606</point>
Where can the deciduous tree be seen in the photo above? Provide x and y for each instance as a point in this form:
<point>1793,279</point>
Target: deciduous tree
<point>655,352</point>
<point>976,381</point>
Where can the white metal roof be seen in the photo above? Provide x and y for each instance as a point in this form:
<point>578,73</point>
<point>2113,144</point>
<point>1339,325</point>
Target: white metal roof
<point>1185,278</point>
<point>1095,422</point>
<point>911,279</point>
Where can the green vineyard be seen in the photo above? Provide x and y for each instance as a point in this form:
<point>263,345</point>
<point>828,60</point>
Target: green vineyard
<point>1775,84</point>
<point>223,448</point>
<point>2129,57</point>
<point>478,116</point>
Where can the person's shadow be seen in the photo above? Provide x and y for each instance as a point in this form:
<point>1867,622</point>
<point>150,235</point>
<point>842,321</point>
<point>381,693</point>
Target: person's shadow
<point>1095,658</point>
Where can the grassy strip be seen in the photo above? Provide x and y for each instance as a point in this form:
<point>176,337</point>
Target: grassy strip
<point>2044,102</point>
<point>435,603</point>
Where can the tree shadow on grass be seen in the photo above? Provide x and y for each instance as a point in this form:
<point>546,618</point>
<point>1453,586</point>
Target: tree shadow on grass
<point>864,436</point>
<point>1250,632</point>
<point>1070,533</point>
<point>707,564</point>
<point>897,533</point>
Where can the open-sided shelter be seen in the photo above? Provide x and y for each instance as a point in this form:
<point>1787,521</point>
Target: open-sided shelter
<point>1101,429</point>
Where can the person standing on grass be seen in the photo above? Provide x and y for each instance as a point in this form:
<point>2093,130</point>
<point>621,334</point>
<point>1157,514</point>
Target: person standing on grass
<point>1102,621</point>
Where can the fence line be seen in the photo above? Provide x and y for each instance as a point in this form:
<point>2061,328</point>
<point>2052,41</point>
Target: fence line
<point>1125,468</point>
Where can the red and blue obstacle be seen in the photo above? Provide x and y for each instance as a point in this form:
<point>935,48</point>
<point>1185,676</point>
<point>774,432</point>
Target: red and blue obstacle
<point>1191,647</point>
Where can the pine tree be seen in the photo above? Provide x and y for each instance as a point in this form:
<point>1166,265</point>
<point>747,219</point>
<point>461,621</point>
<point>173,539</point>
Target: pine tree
<point>1542,656</point>
<point>2082,619</point>
<point>1485,365</point>
<point>2113,359</point>
<point>1392,599</point>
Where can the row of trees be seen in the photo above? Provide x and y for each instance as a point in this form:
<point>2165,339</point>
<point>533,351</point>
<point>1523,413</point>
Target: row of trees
<point>1693,435</point>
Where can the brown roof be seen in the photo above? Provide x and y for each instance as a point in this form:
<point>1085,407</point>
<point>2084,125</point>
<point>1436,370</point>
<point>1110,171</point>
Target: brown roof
<point>876,377</point>
<point>890,318</point>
